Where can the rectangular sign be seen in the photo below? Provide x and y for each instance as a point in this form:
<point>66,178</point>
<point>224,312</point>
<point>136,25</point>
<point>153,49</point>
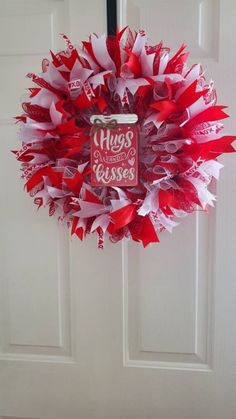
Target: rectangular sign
<point>114,155</point>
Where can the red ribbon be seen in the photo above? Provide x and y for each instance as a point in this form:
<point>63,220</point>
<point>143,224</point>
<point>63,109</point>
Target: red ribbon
<point>123,216</point>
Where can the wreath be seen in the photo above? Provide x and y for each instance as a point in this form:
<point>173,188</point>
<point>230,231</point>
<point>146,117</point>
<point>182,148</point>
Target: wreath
<point>179,136</point>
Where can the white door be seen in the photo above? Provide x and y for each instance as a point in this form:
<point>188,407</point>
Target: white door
<point>124,332</point>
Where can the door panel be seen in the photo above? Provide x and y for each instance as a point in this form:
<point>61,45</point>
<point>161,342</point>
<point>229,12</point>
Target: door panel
<point>168,309</point>
<point>35,310</point>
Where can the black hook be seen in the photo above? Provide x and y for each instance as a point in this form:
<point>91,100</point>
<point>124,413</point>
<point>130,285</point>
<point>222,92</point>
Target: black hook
<point>111,17</point>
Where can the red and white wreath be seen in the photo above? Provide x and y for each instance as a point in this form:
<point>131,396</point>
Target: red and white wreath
<point>180,136</point>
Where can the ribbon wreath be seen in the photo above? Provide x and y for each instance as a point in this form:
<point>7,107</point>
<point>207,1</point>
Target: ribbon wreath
<point>180,136</point>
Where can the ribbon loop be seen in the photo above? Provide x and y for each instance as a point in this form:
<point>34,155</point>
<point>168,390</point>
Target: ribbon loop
<point>99,124</point>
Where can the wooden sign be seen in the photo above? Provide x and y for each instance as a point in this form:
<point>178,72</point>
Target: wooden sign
<point>114,152</point>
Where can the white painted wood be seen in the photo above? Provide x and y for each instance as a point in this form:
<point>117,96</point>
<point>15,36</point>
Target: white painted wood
<point>124,332</point>
<point>11,417</point>
<point>164,326</point>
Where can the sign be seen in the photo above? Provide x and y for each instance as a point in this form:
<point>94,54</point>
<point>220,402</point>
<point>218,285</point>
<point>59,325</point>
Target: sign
<point>114,155</point>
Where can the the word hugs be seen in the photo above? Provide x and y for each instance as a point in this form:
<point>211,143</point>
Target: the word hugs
<point>113,140</point>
